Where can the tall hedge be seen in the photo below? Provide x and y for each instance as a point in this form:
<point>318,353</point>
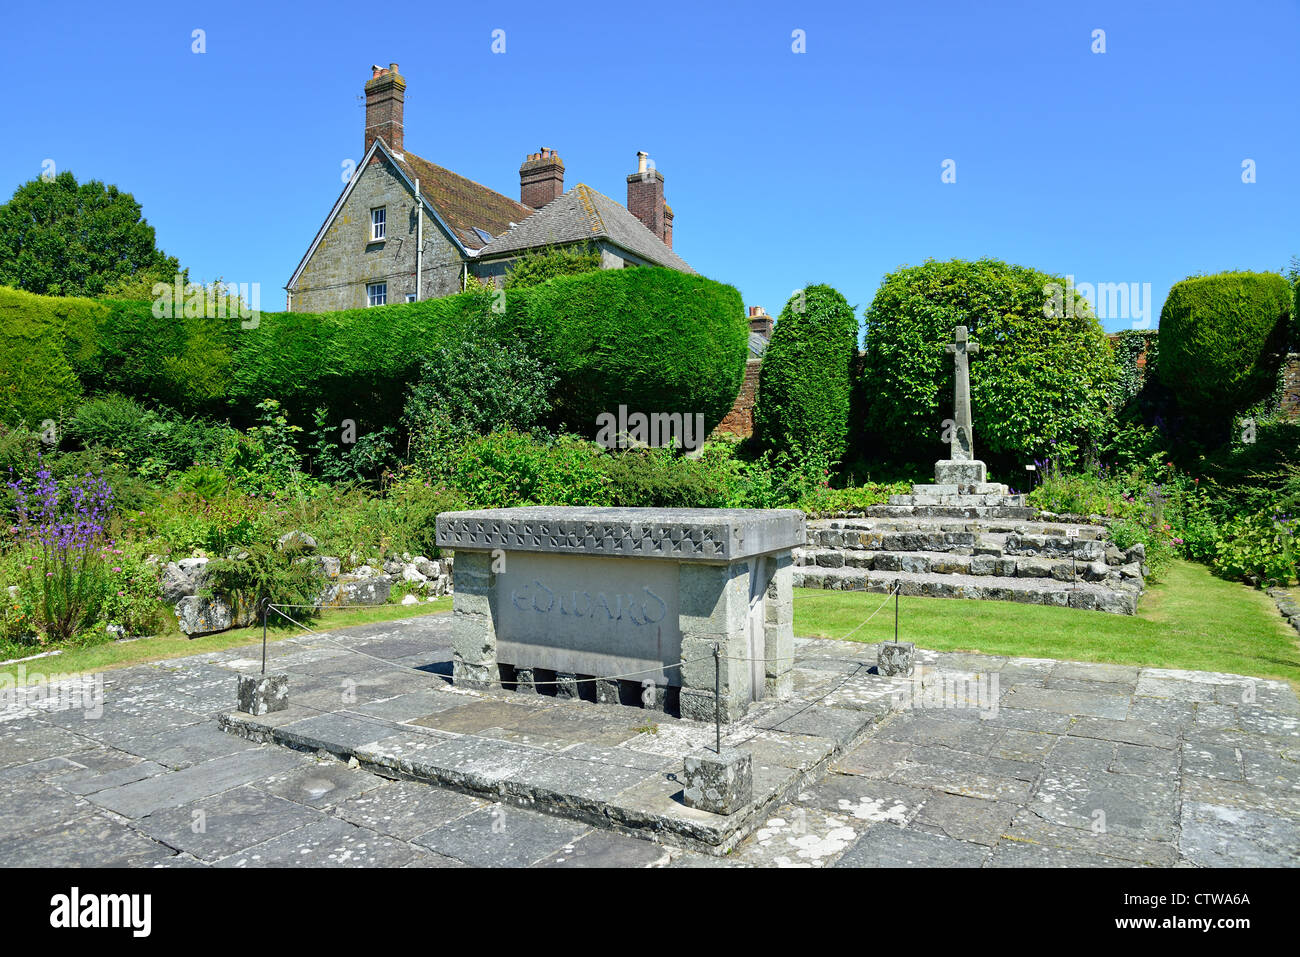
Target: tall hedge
<point>804,384</point>
<point>1222,340</point>
<point>45,343</point>
<point>653,339</point>
<point>1041,385</point>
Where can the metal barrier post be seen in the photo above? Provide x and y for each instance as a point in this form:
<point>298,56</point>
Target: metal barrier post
<point>266,607</point>
<point>717,697</point>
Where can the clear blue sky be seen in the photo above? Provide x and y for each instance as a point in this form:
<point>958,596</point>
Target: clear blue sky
<point>782,168</point>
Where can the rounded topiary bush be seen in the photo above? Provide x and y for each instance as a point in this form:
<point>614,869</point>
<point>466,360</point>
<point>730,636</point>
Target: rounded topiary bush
<point>652,339</point>
<point>44,342</point>
<point>1040,387</point>
<point>1222,340</point>
<point>804,384</point>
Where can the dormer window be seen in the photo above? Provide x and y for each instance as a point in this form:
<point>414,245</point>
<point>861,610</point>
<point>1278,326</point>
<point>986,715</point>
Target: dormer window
<point>378,221</point>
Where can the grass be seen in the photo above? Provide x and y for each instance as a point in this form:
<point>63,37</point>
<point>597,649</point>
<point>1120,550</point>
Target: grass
<point>1190,619</point>
<point>119,654</point>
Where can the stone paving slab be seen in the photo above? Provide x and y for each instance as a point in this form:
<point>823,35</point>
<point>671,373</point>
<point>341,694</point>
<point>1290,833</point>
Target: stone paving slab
<point>1185,768</point>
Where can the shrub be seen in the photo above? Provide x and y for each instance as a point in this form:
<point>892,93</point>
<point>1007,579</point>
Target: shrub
<point>663,478</point>
<point>804,383</point>
<point>509,468</point>
<point>653,339</point>
<point>471,387</point>
<point>1260,549</point>
<point>1222,339</point>
<point>538,266</point>
<point>1040,386</point>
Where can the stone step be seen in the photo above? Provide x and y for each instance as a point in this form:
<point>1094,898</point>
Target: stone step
<point>1120,600</point>
<point>967,543</point>
<point>989,499</point>
<point>941,523</point>
<point>980,565</point>
<point>952,511</point>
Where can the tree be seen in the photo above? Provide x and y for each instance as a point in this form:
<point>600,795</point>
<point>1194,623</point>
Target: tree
<point>59,238</point>
<point>804,382</point>
<point>1041,386</point>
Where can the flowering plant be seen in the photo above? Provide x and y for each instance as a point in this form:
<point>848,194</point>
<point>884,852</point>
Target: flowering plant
<point>61,534</point>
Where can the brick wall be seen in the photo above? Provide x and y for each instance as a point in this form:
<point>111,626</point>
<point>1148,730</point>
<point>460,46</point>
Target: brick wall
<point>1291,386</point>
<point>740,420</point>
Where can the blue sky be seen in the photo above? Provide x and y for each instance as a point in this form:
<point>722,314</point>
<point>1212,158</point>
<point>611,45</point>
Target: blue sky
<point>783,168</point>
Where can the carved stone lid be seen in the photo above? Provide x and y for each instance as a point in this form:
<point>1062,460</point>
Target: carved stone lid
<point>684,534</point>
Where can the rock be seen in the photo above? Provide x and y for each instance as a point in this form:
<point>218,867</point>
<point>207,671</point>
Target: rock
<point>364,571</point>
<point>1131,570</point>
<point>330,567</point>
<point>262,694</point>
<point>205,616</point>
<point>1113,555</point>
<point>412,574</point>
<point>365,591</point>
<point>410,600</point>
<point>185,577</point>
<point>1137,553</point>
<point>427,568</point>
<point>393,567</point>
<point>296,541</point>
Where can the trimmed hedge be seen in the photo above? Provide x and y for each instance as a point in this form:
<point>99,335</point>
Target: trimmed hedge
<point>805,381</point>
<point>45,343</point>
<point>1222,340</point>
<point>1040,387</point>
<point>653,339</point>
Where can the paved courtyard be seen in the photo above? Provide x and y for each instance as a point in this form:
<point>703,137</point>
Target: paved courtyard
<point>995,762</point>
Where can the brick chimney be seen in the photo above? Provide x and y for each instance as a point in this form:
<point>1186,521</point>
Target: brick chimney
<point>385,94</point>
<point>760,321</point>
<point>541,178</point>
<point>645,196</point>
<point>668,225</point>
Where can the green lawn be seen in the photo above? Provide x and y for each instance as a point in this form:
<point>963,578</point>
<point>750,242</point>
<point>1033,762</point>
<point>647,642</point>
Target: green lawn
<point>118,654</point>
<point>1189,620</point>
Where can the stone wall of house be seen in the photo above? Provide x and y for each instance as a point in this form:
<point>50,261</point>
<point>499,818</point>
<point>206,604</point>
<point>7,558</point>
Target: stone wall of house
<point>740,420</point>
<point>345,261</point>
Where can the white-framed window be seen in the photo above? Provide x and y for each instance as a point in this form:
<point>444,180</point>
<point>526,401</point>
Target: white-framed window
<point>378,223</point>
<point>410,297</point>
<point>376,293</point>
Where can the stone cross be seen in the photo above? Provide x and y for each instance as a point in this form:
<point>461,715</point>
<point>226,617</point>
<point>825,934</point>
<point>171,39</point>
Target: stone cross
<point>962,440</point>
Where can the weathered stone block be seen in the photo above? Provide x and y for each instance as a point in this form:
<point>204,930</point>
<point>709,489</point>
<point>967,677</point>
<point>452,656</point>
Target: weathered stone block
<point>566,685</point>
<point>262,694</point>
<point>719,783</point>
<point>525,679</point>
<point>895,658</point>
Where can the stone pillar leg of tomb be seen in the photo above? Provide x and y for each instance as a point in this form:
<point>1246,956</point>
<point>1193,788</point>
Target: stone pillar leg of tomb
<point>473,628</point>
<point>778,627</point>
<point>714,612</point>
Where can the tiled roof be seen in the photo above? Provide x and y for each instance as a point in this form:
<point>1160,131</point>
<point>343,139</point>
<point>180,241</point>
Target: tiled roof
<point>463,203</point>
<point>757,345</point>
<point>584,214</point>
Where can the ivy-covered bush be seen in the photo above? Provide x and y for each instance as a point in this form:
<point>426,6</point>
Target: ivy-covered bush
<point>653,339</point>
<point>1040,387</point>
<point>1222,341</point>
<point>804,384</point>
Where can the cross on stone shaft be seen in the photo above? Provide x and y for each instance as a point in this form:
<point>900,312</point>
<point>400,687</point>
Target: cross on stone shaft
<point>962,439</point>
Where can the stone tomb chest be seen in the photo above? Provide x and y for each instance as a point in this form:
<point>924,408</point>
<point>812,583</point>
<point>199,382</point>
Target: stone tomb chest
<point>558,594</point>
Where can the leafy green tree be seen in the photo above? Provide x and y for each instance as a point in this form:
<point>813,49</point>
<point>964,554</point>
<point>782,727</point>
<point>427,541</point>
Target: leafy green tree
<point>60,238</point>
<point>1041,386</point>
<point>804,383</point>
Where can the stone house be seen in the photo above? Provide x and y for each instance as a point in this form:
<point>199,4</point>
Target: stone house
<point>405,229</point>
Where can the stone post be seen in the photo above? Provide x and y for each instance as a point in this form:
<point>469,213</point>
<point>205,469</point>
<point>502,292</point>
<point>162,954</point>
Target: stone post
<point>714,604</point>
<point>473,623</point>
